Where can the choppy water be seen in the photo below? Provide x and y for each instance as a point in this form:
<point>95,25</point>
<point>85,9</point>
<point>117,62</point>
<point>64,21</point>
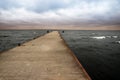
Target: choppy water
<point>98,52</point>
<point>10,39</point>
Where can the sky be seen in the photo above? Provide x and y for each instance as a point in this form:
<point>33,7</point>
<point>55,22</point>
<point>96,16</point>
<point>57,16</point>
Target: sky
<point>79,14</point>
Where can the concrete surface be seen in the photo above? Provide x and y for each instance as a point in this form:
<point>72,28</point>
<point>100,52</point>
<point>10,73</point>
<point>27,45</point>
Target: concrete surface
<point>45,58</point>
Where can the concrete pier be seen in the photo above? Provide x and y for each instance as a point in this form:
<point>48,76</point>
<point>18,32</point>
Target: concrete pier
<point>44,58</point>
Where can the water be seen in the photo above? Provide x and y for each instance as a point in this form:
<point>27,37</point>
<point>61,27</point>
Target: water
<point>13,38</point>
<point>98,52</point>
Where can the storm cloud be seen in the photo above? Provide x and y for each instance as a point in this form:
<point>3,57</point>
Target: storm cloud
<point>60,12</point>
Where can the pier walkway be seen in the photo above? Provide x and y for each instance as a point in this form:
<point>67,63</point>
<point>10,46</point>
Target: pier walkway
<point>44,58</point>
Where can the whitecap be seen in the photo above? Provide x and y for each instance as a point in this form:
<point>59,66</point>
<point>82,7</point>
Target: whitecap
<point>34,32</point>
<point>118,42</point>
<point>115,36</point>
<point>100,37</point>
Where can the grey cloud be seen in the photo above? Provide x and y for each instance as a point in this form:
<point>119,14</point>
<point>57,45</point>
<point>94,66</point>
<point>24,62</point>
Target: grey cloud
<point>64,12</point>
